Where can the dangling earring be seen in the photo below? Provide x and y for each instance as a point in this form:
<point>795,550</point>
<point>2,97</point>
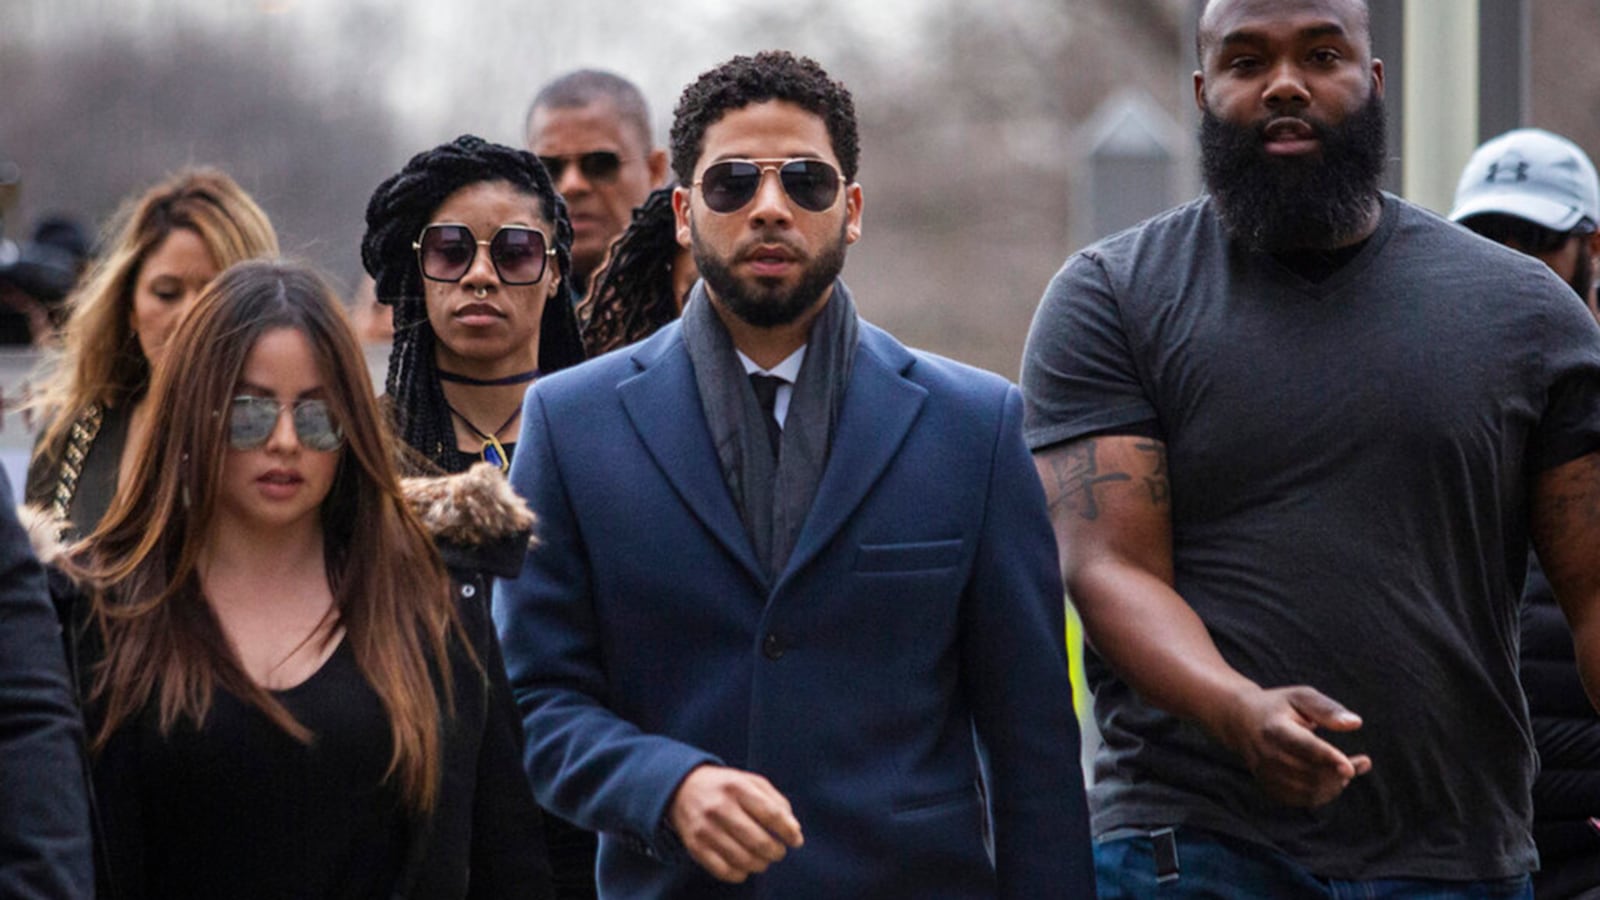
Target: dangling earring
<point>183,489</point>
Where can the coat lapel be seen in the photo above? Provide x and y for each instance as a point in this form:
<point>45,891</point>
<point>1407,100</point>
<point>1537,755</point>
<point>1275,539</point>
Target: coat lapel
<point>879,406</point>
<point>663,403</point>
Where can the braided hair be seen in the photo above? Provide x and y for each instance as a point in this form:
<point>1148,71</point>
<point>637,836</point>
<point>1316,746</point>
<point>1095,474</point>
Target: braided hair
<point>632,293</point>
<point>399,209</point>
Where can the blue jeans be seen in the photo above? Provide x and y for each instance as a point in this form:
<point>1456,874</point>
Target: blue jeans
<point>1194,863</point>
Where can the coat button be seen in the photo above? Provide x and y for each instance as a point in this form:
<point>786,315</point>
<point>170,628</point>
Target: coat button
<point>468,591</point>
<point>772,647</point>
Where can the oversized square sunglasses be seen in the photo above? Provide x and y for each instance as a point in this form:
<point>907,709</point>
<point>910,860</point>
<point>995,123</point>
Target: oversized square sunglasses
<point>445,252</point>
<point>729,185</point>
<point>251,420</point>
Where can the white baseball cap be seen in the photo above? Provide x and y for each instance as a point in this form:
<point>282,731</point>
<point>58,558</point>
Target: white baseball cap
<point>1534,175</point>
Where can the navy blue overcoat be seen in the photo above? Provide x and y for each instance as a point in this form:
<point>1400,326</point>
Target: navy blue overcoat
<point>921,608</point>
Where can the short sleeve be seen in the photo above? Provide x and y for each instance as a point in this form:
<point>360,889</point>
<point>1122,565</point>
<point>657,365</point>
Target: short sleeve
<point>1079,374</point>
<point>1570,426</point>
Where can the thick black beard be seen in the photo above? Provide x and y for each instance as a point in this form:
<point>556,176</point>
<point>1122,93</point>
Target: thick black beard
<point>759,303</point>
<point>1318,201</point>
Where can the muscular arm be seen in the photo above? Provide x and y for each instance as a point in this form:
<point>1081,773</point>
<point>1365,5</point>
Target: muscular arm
<point>1110,505</point>
<point>1566,535</point>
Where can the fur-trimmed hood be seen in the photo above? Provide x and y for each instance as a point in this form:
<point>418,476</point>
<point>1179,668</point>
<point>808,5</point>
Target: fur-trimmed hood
<point>478,522</point>
<point>469,508</point>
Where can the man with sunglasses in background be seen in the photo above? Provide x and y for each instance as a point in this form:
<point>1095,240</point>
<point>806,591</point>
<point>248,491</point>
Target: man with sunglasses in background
<point>788,569</point>
<point>591,129</point>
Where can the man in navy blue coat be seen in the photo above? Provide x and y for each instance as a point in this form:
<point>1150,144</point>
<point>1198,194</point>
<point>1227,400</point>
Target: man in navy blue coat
<point>796,594</point>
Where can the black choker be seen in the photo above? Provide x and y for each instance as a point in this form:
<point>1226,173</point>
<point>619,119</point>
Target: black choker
<point>519,378</point>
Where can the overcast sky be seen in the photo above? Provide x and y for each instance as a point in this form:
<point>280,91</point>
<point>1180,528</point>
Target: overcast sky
<point>443,67</point>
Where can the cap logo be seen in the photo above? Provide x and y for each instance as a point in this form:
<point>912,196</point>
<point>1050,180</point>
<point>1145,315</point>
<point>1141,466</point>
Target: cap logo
<point>1508,169</point>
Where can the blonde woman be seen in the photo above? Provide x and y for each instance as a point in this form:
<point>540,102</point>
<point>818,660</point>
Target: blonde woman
<point>165,246</point>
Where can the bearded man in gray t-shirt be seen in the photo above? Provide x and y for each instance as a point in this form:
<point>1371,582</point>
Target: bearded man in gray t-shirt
<point>1296,436</point>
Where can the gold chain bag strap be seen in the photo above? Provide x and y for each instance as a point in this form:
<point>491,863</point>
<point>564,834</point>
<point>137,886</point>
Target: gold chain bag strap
<point>79,439</point>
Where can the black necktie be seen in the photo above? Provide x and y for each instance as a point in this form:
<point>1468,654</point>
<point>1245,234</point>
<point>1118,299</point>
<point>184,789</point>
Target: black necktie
<point>766,387</point>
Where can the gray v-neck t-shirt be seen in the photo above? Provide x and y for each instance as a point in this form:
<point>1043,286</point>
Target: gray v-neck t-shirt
<point>1350,463</point>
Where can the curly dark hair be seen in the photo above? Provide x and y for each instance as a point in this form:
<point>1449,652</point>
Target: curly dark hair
<point>631,293</point>
<point>769,75</point>
<point>396,214</point>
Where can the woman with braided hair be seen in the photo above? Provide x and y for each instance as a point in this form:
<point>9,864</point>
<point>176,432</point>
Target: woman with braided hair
<point>471,245</point>
<point>643,282</point>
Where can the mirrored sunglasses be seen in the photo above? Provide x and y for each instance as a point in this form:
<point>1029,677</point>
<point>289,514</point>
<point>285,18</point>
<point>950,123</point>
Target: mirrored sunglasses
<point>252,419</point>
<point>596,165</point>
<point>729,185</point>
<point>445,252</point>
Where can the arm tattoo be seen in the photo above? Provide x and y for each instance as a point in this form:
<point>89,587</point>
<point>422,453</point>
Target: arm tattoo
<point>1076,473</point>
<point>1156,482</point>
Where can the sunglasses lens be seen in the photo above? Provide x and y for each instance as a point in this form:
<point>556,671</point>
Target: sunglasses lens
<point>518,254</point>
<point>596,165</point>
<point>600,165</point>
<point>313,424</point>
<point>250,421</point>
<point>555,165</point>
<point>727,186</point>
<point>811,183</point>
<point>446,252</point>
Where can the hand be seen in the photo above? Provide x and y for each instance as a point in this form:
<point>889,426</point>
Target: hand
<point>733,823</point>
<point>1274,731</point>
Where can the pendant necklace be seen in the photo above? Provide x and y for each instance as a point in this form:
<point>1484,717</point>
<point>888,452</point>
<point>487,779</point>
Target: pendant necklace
<point>493,451</point>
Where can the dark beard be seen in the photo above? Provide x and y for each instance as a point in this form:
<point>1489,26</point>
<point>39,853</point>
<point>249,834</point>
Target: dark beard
<point>1317,201</point>
<point>759,303</point>
<point>1582,279</point>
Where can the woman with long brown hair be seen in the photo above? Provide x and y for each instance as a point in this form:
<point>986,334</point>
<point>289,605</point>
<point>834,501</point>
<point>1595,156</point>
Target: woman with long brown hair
<point>164,246</point>
<point>288,700</point>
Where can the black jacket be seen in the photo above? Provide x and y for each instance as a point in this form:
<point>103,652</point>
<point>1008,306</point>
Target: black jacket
<point>1566,730</point>
<point>44,809</point>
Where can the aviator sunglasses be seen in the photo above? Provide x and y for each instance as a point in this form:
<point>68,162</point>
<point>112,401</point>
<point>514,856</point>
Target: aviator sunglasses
<point>445,252</point>
<point>251,421</point>
<point>728,185</point>
<point>596,165</point>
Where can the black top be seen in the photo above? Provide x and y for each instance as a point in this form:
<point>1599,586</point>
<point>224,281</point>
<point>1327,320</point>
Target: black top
<point>240,809</point>
<point>458,460</point>
<point>320,823</point>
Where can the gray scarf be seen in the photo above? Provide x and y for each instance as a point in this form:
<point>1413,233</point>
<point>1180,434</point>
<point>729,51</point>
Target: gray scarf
<point>773,497</point>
